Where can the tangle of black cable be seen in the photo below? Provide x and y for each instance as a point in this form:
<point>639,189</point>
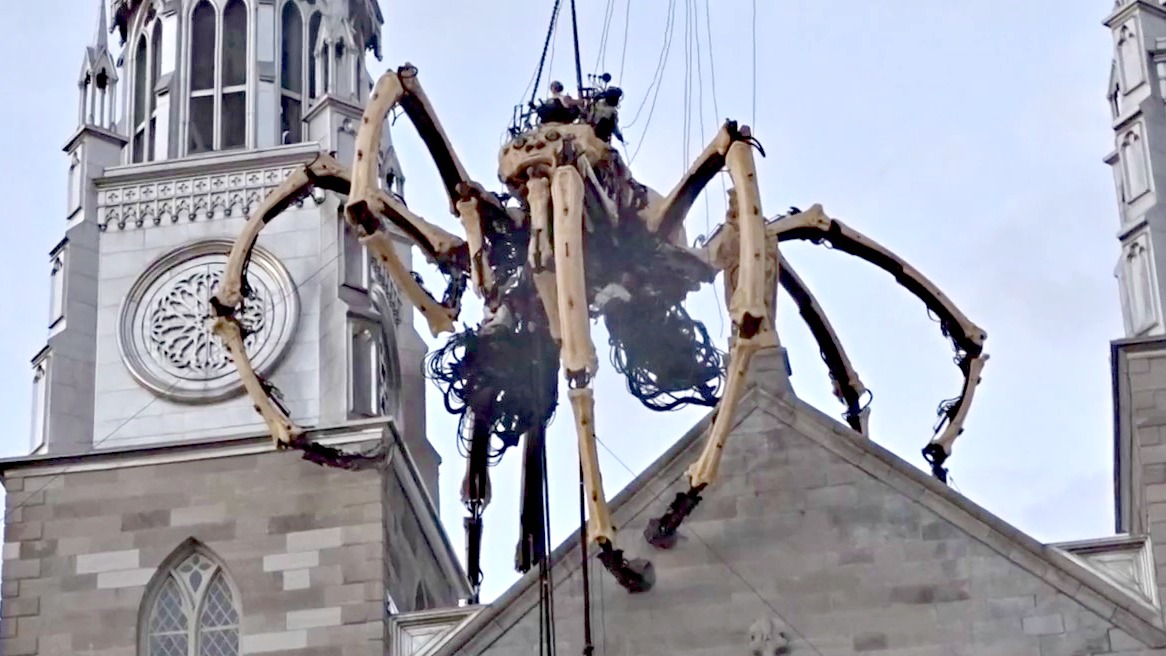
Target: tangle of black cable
<point>668,358</point>
<point>486,375</point>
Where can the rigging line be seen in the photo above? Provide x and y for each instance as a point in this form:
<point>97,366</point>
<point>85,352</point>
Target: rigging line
<point>601,56</point>
<point>753,120</point>
<point>546,44</point>
<point>660,62</point>
<point>708,24</point>
<point>588,645</point>
<point>708,222</point>
<point>68,470</point>
<point>723,561</point>
<point>550,579</point>
<point>652,109</point>
<point>603,614</point>
<point>624,49</point>
<point>700,104</point>
<point>578,61</point>
<point>752,589</point>
<point>687,94</point>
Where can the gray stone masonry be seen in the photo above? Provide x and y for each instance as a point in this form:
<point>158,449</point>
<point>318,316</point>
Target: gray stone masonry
<point>305,546</point>
<point>845,547</point>
<point>1140,443</point>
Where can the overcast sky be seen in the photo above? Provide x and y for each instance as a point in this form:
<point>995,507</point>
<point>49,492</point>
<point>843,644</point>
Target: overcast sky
<point>967,137</point>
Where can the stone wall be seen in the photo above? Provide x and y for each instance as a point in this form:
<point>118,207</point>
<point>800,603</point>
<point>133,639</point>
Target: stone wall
<point>304,546</point>
<point>844,547</point>
<point>1140,449</point>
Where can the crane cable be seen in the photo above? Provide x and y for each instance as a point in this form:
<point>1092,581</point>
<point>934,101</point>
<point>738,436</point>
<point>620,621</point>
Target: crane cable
<point>578,60</point>
<point>546,46</point>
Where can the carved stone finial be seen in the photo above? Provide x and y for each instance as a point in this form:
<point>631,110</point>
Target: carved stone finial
<point>766,638</point>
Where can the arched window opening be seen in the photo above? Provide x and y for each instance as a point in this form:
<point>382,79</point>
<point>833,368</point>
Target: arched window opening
<point>155,78</point>
<point>314,90</point>
<point>234,72</point>
<point>141,97</point>
<point>191,609</point>
<point>291,75</point>
<point>147,65</point>
<point>1132,57</point>
<point>201,123</point>
<point>219,72</point>
<point>1133,158</point>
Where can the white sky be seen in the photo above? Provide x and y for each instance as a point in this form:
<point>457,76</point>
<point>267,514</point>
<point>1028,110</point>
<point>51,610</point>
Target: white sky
<point>967,137</point>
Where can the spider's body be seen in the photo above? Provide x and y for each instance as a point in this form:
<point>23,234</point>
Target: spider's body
<point>575,238</point>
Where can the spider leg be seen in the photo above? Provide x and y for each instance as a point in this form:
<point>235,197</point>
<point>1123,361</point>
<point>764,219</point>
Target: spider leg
<point>540,256</point>
<point>666,215</point>
<point>719,251</point>
<point>967,338</point>
<point>579,364</point>
<point>469,201</point>
<point>751,276</point>
<point>848,388</point>
<point>326,173</point>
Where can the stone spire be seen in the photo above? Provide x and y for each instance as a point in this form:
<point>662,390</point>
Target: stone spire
<point>98,79</point>
<point>101,38</point>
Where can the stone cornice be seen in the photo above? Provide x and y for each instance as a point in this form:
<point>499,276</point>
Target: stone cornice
<point>197,188</point>
<point>137,456</point>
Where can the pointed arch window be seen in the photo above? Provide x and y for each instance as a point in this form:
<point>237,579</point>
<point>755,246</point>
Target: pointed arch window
<point>314,87</point>
<point>219,73</point>
<point>291,75</point>
<point>147,72</point>
<point>1131,57</point>
<point>191,610</point>
<point>299,29</point>
<point>1133,157</point>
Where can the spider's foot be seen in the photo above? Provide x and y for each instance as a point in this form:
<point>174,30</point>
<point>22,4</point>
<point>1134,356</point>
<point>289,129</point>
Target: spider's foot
<point>635,575</point>
<point>661,532</point>
<point>936,455</point>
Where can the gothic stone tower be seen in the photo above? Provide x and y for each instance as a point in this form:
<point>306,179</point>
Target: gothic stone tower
<point>1137,100</point>
<point>152,514</point>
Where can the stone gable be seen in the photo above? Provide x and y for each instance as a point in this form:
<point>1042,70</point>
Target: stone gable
<point>837,544</point>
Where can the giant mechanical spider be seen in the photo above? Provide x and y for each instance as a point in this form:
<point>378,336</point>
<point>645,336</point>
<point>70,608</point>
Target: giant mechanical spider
<point>574,238</point>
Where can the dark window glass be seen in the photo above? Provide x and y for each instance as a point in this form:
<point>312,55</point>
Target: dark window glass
<point>292,61</point>
<point>235,44</point>
<point>139,146</point>
<point>202,47</point>
<point>156,57</point>
<point>202,124</point>
<point>141,82</point>
<point>313,36</point>
<point>291,120</point>
<point>153,138</point>
<point>234,120</point>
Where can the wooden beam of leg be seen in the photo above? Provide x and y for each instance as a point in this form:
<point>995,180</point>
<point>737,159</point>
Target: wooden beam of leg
<point>283,430</point>
<point>599,525</point>
<point>579,364</point>
<point>748,306</point>
<point>704,470</point>
<point>540,255</point>
<point>480,274</point>
<point>439,317</point>
<point>567,201</point>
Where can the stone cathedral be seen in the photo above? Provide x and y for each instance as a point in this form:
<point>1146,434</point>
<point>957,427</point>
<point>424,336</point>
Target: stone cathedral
<point>152,517</point>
